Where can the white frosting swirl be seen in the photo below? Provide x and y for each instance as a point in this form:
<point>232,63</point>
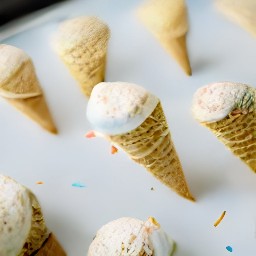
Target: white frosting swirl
<point>116,108</point>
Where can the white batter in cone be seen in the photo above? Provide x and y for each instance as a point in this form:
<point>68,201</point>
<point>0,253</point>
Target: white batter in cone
<point>20,86</point>
<point>24,232</point>
<point>133,119</point>
<point>229,111</point>
<point>81,43</point>
<point>167,20</point>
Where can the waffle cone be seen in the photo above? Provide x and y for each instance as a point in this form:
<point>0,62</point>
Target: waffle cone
<point>36,109</point>
<point>151,145</point>
<point>238,133</point>
<point>178,49</point>
<point>51,247</point>
<point>81,43</point>
<point>86,70</point>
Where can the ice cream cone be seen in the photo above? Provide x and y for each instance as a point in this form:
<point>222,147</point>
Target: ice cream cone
<point>133,119</point>
<point>167,20</point>
<point>51,247</point>
<point>26,232</point>
<point>81,43</point>
<point>236,128</point>
<point>241,12</point>
<point>151,146</point>
<point>20,87</point>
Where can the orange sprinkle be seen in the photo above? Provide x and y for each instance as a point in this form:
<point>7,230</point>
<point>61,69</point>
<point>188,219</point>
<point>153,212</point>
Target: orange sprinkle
<point>90,134</point>
<point>39,182</point>
<point>113,150</point>
<point>219,219</point>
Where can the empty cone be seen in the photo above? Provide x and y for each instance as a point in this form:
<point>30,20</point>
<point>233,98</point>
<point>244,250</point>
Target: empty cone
<point>167,20</point>
<point>20,87</point>
<point>81,44</point>
<point>229,111</point>
<point>151,146</point>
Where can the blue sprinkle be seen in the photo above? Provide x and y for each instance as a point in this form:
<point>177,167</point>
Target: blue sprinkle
<point>78,185</point>
<point>229,248</point>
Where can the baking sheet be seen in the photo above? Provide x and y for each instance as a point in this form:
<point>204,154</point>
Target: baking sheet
<point>114,186</point>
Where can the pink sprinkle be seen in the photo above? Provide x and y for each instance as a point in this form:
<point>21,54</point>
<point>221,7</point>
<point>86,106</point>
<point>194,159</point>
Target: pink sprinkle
<point>90,134</point>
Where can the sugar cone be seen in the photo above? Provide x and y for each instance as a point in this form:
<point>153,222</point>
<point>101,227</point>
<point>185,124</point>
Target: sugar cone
<point>178,49</point>
<point>151,145</point>
<point>51,247</point>
<point>36,109</point>
<point>167,20</point>
<point>81,44</point>
<point>238,133</point>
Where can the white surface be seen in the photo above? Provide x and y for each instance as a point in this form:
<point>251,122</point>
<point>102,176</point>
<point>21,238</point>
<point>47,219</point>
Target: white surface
<point>115,186</point>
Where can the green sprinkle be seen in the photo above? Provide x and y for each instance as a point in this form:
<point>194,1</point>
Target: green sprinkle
<point>78,185</point>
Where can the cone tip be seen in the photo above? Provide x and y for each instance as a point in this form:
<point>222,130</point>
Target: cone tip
<point>188,70</point>
<point>53,130</point>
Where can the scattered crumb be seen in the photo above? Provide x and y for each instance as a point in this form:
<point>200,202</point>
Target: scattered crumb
<point>219,219</point>
<point>39,182</point>
<point>152,189</point>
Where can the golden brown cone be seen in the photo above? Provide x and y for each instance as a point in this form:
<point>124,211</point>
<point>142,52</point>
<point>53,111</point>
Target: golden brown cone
<point>151,145</point>
<point>178,49</point>
<point>38,232</point>
<point>241,12</point>
<point>238,133</point>
<point>88,75</point>
<point>36,109</point>
<point>51,247</point>
<point>81,44</point>
<point>40,241</point>
<point>168,22</point>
